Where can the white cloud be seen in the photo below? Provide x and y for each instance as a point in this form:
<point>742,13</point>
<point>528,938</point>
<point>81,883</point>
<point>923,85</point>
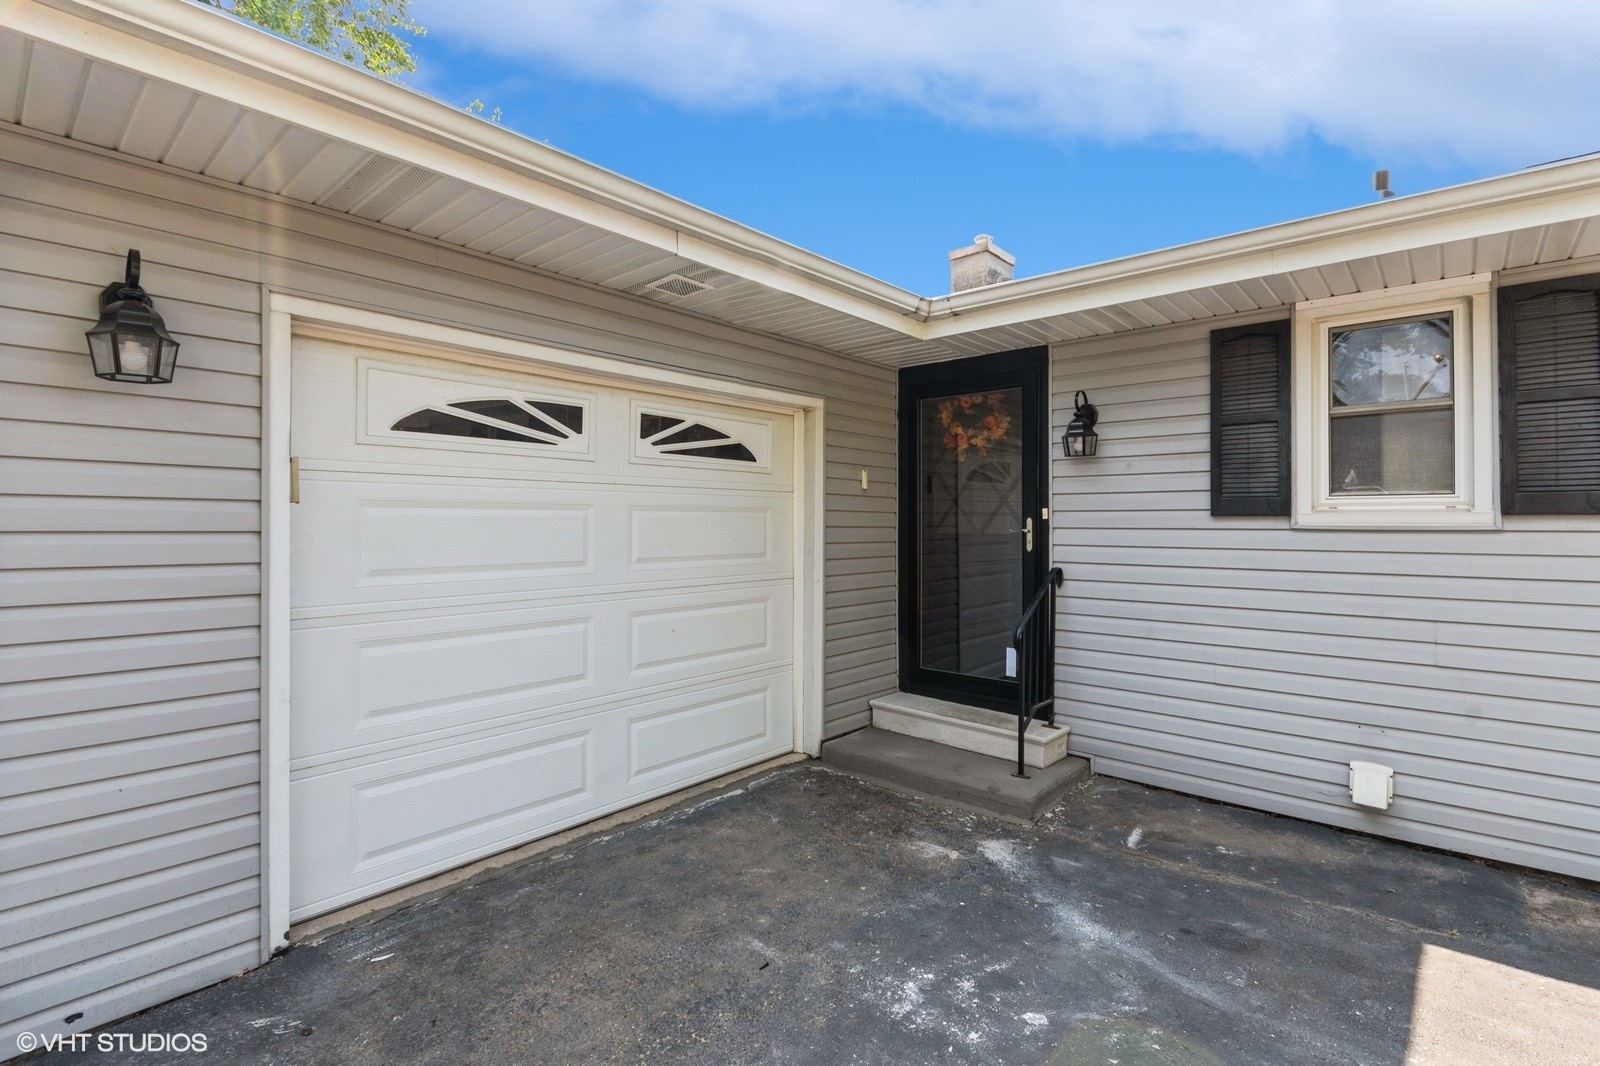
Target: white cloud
<point>1501,81</point>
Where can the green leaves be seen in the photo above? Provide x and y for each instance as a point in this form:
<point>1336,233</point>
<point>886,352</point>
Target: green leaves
<point>372,33</point>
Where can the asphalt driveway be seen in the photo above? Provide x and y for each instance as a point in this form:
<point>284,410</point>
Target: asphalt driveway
<point>806,917</point>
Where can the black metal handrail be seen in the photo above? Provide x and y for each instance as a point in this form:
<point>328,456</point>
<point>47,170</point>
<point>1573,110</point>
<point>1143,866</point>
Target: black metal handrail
<point>1035,644</point>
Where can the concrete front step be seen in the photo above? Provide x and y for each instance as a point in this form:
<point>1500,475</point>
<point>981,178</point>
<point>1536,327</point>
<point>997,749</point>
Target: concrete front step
<point>976,729</point>
<point>952,775</point>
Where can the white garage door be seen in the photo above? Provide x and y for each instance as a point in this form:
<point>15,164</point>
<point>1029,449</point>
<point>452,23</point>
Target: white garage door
<point>519,603</point>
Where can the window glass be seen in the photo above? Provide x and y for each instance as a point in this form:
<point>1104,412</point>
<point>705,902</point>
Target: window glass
<point>1392,427</point>
<point>654,431</point>
<point>506,411</point>
<point>432,420</point>
<point>1393,453</point>
<point>1393,362</point>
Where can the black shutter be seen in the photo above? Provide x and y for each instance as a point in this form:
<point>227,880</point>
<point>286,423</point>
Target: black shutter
<point>1550,396</point>
<point>1250,420</point>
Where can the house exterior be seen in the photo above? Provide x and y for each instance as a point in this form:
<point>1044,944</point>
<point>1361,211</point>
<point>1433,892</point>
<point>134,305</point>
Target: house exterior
<point>495,492</point>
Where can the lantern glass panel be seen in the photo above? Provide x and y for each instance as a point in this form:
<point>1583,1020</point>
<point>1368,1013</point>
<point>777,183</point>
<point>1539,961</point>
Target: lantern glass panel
<point>1079,440</point>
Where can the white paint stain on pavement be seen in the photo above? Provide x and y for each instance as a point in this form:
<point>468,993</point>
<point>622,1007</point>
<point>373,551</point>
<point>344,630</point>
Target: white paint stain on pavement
<point>1003,853</point>
<point>910,996</point>
<point>924,850</point>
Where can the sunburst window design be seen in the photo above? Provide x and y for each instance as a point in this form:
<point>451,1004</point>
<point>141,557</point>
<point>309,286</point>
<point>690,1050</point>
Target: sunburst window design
<point>668,435</point>
<point>541,422</point>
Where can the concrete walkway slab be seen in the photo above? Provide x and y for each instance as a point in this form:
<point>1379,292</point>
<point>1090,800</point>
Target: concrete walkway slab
<point>808,917</point>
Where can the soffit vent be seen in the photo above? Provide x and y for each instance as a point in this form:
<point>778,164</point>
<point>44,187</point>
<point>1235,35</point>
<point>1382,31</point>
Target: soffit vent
<point>407,184</point>
<point>677,285</point>
<point>367,179</point>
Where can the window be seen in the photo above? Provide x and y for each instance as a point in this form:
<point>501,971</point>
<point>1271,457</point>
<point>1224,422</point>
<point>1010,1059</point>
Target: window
<point>1391,428</point>
<point>502,419</point>
<point>462,409</point>
<point>669,435</point>
<point>1394,424</point>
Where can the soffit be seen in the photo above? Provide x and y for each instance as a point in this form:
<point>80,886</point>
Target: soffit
<point>53,89</point>
<point>1067,313</point>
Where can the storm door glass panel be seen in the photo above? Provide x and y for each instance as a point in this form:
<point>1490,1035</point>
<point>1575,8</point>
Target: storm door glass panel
<point>971,567</point>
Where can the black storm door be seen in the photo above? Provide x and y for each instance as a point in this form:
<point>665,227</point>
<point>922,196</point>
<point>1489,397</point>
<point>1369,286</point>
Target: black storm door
<point>974,528</point>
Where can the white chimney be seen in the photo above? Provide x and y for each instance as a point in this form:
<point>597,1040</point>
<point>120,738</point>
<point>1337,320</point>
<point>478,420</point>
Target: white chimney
<point>980,263</point>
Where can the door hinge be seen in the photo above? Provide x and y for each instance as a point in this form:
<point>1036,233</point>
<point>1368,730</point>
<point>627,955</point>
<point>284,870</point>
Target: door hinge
<point>294,479</point>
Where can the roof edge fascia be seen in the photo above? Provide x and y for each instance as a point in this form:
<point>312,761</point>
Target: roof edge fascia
<point>1547,194</point>
<point>215,54</point>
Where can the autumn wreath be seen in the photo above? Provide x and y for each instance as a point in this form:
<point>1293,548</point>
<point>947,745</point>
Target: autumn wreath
<point>977,421</point>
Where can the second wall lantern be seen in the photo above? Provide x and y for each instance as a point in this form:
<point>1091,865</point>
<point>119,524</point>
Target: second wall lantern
<point>1080,439</point>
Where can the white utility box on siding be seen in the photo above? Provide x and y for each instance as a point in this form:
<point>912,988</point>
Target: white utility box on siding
<point>1372,785</point>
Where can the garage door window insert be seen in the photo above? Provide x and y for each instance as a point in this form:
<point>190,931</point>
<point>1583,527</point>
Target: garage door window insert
<point>528,421</point>
<point>667,435</point>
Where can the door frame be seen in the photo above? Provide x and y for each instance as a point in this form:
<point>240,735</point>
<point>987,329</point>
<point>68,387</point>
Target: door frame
<point>1024,368</point>
<point>285,316</point>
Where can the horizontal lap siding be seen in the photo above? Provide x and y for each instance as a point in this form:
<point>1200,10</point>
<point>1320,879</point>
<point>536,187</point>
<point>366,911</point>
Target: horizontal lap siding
<point>1240,659</point>
<point>859,623</point>
<point>130,534</point>
<point>129,615</point>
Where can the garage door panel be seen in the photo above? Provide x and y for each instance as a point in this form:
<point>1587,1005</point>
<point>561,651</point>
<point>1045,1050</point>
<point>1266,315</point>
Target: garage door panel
<point>417,543</point>
<point>460,667</point>
<point>386,541</point>
<point>363,828</point>
<point>387,680</point>
<point>677,740</point>
<point>374,391</point>
<point>412,811</point>
<point>674,741</point>
<point>470,467</point>
<point>668,538</point>
<point>390,540</point>
<point>698,636</point>
<point>384,679</point>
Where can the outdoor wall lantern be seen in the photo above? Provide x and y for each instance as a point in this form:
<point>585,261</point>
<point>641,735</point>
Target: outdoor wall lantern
<point>1080,439</point>
<point>130,342</point>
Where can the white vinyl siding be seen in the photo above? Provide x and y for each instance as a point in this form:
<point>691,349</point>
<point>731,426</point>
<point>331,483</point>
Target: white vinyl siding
<point>1243,660</point>
<point>131,539</point>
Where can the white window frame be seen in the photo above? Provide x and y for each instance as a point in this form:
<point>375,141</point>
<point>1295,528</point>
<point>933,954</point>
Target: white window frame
<point>1472,505</point>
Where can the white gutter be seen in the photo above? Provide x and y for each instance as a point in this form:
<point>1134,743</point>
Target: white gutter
<point>214,54</point>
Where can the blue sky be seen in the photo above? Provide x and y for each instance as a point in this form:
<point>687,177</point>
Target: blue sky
<point>1071,132</point>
